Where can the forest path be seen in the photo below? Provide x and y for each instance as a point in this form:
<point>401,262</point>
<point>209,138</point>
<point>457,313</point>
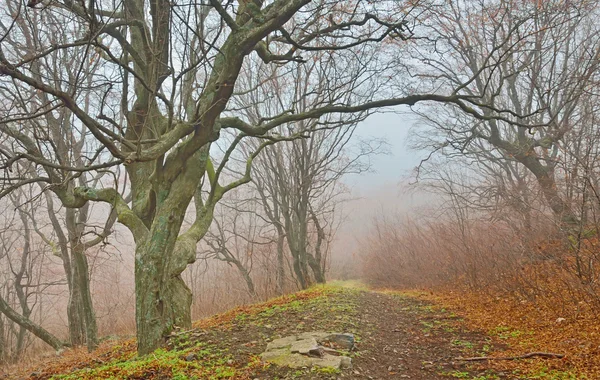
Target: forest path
<point>406,337</point>
<point>399,336</point>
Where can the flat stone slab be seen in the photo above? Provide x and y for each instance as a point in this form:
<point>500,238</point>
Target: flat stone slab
<point>304,346</point>
<point>305,350</point>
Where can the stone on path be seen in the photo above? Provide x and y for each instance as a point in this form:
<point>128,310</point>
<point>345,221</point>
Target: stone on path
<point>308,350</point>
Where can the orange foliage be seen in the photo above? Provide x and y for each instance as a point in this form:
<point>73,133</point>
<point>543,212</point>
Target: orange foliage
<point>531,327</point>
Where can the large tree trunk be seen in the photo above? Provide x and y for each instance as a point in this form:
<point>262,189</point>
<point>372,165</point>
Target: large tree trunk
<point>163,300</point>
<point>303,263</point>
<point>559,207</point>
<point>82,309</point>
<point>75,314</point>
<point>74,317</point>
<point>297,265</point>
<point>543,174</point>
<point>161,305</point>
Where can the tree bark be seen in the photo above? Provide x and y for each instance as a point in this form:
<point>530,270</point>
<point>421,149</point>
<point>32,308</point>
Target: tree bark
<point>280,260</point>
<point>162,305</point>
<point>163,300</point>
<point>545,179</point>
<point>317,264</point>
<point>2,342</point>
<point>82,281</point>
<point>74,306</point>
<point>297,265</point>
<point>316,268</point>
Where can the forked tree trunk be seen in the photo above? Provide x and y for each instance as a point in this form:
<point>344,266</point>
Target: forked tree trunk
<point>77,283</point>
<point>561,210</point>
<point>163,300</point>
<point>300,276</point>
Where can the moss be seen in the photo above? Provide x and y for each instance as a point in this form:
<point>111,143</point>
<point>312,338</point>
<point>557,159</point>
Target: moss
<point>208,363</point>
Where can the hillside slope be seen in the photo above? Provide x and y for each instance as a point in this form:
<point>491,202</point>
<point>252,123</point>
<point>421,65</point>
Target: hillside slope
<point>398,336</point>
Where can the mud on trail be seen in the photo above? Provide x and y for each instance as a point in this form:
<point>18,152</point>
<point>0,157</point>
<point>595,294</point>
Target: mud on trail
<point>398,336</point>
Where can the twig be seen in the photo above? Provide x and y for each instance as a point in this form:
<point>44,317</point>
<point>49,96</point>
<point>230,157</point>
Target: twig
<point>548,355</point>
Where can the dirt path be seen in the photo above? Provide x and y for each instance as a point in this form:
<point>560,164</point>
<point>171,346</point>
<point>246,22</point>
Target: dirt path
<point>407,338</point>
<point>399,337</point>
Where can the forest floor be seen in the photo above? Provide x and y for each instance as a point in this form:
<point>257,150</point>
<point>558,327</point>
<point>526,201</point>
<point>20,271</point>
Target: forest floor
<point>399,335</point>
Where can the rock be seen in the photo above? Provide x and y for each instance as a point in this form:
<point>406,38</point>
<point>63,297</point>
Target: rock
<point>190,357</point>
<point>282,343</point>
<point>346,362</point>
<point>341,341</point>
<point>317,352</point>
<point>327,361</point>
<point>318,335</point>
<point>303,350</point>
<point>304,346</point>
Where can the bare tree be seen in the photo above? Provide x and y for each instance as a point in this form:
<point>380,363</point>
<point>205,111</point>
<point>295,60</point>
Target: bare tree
<point>538,59</point>
<point>298,182</point>
<point>236,238</point>
<point>299,186</point>
<point>24,258</point>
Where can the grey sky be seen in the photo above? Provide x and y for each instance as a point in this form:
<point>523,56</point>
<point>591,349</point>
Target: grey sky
<point>383,192</point>
<point>400,161</point>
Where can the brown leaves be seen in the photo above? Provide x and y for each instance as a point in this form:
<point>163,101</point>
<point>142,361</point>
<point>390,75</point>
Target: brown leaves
<point>528,326</point>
